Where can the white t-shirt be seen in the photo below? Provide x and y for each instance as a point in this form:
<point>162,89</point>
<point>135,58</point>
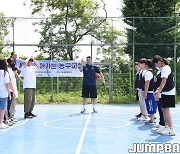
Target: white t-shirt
<point>3,80</point>
<point>148,76</point>
<point>165,72</point>
<point>29,75</point>
<point>13,81</point>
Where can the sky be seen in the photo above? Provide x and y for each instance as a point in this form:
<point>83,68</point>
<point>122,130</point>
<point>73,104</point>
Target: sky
<point>24,31</point>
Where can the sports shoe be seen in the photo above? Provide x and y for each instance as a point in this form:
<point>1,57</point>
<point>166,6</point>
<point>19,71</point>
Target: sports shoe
<point>3,126</point>
<point>143,118</point>
<point>157,125</point>
<point>94,110</point>
<point>27,116</point>
<point>8,122</point>
<point>149,122</point>
<point>162,128</point>
<point>14,119</point>
<point>83,110</point>
<point>33,115</point>
<point>138,115</point>
<point>168,131</point>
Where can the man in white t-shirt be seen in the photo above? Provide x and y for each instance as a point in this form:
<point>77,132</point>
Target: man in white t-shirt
<point>29,86</point>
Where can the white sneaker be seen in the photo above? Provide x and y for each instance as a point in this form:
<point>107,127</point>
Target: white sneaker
<point>3,126</point>
<point>162,128</point>
<point>157,125</point>
<point>143,118</point>
<point>168,131</point>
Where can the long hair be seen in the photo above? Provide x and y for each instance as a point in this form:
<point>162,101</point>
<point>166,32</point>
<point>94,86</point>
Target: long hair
<point>3,65</point>
<point>157,58</point>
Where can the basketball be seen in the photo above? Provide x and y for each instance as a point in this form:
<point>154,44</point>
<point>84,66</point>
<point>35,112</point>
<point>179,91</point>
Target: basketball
<point>97,76</point>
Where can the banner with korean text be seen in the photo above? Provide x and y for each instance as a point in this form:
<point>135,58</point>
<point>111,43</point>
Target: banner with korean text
<point>56,68</point>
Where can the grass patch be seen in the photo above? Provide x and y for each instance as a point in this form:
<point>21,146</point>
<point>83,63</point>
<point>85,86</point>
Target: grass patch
<point>75,98</point>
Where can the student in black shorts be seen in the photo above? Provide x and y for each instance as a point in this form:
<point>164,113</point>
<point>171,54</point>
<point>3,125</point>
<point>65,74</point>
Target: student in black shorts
<point>167,90</point>
<point>89,89</point>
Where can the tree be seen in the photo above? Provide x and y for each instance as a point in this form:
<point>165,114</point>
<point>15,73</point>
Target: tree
<point>69,22</point>
<point>151,30</point>
<point>4,22</point>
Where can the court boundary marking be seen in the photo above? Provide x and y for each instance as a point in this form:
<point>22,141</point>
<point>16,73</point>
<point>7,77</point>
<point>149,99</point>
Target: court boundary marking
<point>83,134</point>
<point>66,128</point>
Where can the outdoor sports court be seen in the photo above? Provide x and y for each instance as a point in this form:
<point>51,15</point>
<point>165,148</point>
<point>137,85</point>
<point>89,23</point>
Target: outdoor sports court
<point>62,129</point>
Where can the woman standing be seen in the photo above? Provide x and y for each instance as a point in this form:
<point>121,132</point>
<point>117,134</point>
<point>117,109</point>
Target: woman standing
<point>167,89</point>
<point>4,91</point>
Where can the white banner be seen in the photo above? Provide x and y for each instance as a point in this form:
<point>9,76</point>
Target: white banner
<point>56,68</point>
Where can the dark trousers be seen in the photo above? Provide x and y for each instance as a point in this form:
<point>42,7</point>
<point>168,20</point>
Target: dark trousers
<point>29,99</point>
<point>161,122</point>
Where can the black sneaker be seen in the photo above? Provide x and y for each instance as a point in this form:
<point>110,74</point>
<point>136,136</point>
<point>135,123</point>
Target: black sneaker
<point>27,116</point>
<point>94,110</point>
<point>83,110</point>
<point>138,115</point>
<point>33,115</point>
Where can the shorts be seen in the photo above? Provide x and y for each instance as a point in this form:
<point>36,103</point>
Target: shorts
<point>3,103</point>
<point>89,91</point>
<point>151,104</point>
<point>168,101</point>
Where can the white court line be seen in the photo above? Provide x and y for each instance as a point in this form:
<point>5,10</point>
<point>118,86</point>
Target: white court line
<point>83,134</point>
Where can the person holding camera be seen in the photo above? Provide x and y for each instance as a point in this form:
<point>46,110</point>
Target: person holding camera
<point>29,86</point>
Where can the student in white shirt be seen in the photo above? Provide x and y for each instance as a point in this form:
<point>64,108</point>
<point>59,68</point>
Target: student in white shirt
<point>29,86</point>
<point>167,89</point>
<point>4,91</point>
<point>148,90</point>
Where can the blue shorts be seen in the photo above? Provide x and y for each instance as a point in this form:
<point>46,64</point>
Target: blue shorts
<point>151,104</point>
<point>3,103</point>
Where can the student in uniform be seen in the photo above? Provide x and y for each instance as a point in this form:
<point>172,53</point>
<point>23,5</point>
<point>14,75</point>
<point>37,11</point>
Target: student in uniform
<point>138,70</point>
<point>167,89</point>
<point>143,110</point>
<point>157,82</point>
<point>148,90</point>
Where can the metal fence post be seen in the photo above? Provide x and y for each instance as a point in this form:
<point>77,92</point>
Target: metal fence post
<point>110,84</point>
<point>57,89</point>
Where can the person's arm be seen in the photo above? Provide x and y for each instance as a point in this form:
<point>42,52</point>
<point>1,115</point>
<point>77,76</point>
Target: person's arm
<point>146,87</point>
<point>19,78</point>
<point>102,76</point>
<point>160,88</point>
<point>8,89</point>
<point>25,62</point>
<point>36,63</point>
<point>81,66</point>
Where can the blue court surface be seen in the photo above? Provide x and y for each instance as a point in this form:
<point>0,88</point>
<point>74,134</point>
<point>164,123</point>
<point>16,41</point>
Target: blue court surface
<point>61,129</point>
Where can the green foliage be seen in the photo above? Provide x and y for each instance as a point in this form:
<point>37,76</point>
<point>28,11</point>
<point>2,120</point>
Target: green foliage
<point>151,30</point>
<point>4,23</point>
<point>69,22</point>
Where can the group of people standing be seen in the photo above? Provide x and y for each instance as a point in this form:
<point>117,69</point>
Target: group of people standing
<point>155,91</point>
<point>8,88</point>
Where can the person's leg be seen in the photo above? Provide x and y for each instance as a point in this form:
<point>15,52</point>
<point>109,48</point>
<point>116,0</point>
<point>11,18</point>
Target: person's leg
<point>161,121</point>
<point>12,108</point>
<point>3,106</point>
<point>167,117</point>
<point>33,99</point>
<point>27,102</point>
<point>33,102</point>
<point>93,96</point>
<point>93,100</point>
<point>85,95</point>
<point>142,104</point>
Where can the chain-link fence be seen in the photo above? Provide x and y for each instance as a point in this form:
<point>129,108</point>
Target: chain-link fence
<point>28,36</point>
